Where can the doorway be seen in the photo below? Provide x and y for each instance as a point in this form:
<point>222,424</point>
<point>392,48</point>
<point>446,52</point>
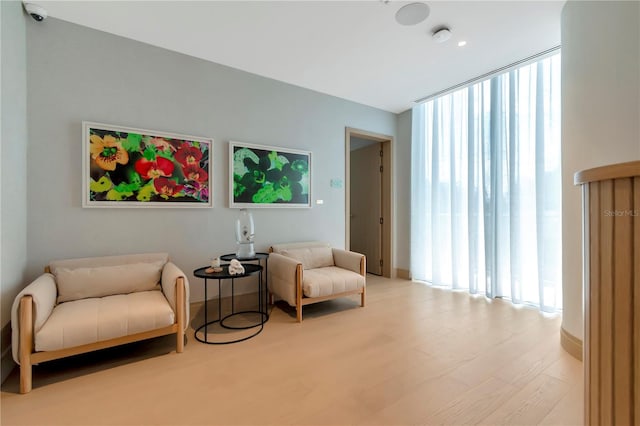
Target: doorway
<point>369,206</point>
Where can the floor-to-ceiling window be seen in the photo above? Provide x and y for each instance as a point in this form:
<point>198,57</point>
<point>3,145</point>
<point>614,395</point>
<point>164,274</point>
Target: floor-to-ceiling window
<point>486,187</point>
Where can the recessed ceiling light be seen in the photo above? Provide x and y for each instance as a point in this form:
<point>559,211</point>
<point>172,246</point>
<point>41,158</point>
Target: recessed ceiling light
<point>412,13</point>
<point>462,43</point>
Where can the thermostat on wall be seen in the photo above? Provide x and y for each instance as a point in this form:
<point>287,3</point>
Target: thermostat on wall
<point>336,183</point>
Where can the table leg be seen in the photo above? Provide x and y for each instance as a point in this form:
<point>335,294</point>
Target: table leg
<point>219,302</point>
<point>260,295</point>
<point>266,280</point>
<point>262,304</point>
<point>205,309</point>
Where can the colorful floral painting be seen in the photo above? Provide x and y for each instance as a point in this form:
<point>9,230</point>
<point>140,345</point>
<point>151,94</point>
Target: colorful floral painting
<point>263,176</point>
<point>126,167</point>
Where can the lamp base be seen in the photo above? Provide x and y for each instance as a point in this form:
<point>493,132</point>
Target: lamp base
<point>245,251</point>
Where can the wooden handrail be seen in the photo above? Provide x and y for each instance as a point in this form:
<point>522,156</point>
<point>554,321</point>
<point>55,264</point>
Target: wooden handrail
<point>613,171</point>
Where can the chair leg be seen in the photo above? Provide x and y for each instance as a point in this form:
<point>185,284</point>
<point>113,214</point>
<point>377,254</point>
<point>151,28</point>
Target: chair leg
<point>363,297</point>
<point>25,378</point>
<point>180,302</point>
<point>26,343</point>
<point>299,293</point>
<point>180,339</point>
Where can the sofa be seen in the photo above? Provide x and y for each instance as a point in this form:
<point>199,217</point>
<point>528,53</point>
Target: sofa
<point>311,272</point>
<point>86,304</point>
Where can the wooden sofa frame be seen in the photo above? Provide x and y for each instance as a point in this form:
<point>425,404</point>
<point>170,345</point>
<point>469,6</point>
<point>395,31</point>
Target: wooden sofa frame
<point>28,357</point>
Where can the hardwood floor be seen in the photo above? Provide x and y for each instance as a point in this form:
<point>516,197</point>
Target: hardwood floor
<point>414,355</point>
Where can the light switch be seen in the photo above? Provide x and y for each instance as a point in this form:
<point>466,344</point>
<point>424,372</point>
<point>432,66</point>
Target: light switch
<point>319,201</point>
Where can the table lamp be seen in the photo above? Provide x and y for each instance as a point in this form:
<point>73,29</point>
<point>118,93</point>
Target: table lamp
<point>244,235</point>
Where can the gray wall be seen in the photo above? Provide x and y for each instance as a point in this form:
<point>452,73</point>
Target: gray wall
<point>77,74</point>
<point>402,179</point>
<point>13,176</point>
<point>13,153</point>
<point>600,117</point>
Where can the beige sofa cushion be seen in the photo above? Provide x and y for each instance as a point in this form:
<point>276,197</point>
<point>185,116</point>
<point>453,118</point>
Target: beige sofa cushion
<point>310,257</point>
<point>330,280</point>
<point>124,259</point>
<point>92,320</point>
<point>86,282</point>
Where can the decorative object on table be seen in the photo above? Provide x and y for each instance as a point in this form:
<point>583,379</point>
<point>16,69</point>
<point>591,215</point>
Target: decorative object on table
<point>215,266</point>
<point>236,268</point>
<point>245,234</point>
<point>263,176</point>
<point>127,167</point>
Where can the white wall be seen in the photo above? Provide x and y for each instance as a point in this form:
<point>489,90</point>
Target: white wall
<point>600,116</point>
<point>75,74</point>
<point>13,208</point>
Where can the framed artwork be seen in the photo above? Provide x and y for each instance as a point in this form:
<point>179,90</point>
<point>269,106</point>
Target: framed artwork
<point>126,167</point>
<point>265,176</point>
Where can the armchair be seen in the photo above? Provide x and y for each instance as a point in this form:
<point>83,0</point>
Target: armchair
<point>82,305</point>
<point>311,272</point>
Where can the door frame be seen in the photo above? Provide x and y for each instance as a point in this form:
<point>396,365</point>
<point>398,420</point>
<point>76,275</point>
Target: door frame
<point>388,194</point>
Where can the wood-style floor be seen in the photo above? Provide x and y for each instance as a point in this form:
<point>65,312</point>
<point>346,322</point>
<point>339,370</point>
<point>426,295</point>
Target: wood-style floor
<point>413,355</point>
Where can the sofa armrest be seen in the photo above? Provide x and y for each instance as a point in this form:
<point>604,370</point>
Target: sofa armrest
<point>43,292</point>
<point>170,275</point>
<point>350,260</point>
<point>283,276</point>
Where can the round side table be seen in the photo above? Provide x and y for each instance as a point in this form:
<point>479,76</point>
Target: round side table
<point>258,257</point>
<point>249,269</point>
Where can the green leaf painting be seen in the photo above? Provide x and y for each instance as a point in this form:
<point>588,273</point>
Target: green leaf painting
<point>264,176</point>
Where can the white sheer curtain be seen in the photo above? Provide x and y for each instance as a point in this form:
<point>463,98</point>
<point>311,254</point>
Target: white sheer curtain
<point>486,188</point>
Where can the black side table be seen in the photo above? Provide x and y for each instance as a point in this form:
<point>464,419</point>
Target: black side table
<point>249,269</point>
<point>259,257</point>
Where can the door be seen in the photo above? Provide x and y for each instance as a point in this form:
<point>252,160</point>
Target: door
<point>366,204</point>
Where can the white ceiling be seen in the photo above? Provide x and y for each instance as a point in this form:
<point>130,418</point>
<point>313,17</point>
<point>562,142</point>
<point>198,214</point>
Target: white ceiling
<point>350,49</point>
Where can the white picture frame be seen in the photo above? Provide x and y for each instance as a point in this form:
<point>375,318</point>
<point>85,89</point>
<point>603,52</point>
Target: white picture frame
<point>262,176</point>
<point>125,167</point>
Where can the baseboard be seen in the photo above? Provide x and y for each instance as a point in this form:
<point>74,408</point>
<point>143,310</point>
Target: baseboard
<point>6,361</point>
<point>571,344</point>
<point>403,274</point>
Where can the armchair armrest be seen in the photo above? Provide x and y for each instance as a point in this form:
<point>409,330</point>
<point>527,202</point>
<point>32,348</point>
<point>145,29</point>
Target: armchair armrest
<point>43,293</point>
<point>283,276</point>
<point>171,274</point>
<point>350,260</point>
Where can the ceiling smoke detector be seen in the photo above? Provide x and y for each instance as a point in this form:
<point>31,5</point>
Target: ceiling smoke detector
<point>441,34</point>
<point>412,13</point>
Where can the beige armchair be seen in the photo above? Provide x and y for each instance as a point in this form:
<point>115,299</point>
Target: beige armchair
<point>305,273</point>
<point>82,305</point>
